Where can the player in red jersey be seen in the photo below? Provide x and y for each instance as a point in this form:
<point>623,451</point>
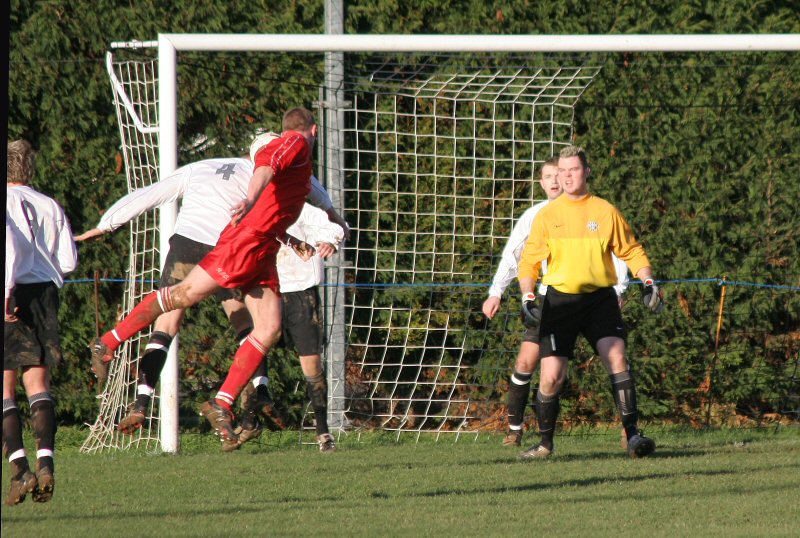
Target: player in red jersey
<point>244,258</point>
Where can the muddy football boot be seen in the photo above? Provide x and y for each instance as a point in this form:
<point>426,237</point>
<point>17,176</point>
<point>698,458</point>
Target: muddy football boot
<point>221,421</point>
<point>132,421</point>
<point>20,488</point>
<point>513,438</point>
<point>536,452</point>
<point>45,484</point>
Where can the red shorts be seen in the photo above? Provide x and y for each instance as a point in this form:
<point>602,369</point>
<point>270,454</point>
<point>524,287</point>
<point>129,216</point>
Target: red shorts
<point>244,259</point>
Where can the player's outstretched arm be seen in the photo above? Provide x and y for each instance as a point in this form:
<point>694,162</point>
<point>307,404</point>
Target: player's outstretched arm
<point>90,234</point>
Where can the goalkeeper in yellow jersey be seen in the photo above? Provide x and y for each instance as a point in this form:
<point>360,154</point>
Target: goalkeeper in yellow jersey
<point>577,234</point>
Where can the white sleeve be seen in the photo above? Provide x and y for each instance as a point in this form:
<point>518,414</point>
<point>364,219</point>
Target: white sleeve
<point>509,262</point>
<point>318,228</point>
<point>318,197</point>
<point>66,253</point>
<point>137,202</point>
<point>622,275</point>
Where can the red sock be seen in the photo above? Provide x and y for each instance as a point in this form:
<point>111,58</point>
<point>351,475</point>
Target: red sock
<point>245,364</point>
<point>140,317</point>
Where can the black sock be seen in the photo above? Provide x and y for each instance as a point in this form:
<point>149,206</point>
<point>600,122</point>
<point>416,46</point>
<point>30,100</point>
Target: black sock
<point>154,358</point>
<point>43,420</point>
<point>317,391</point>
<point>519,388</point>
<point>12,439</point>
<point>547,407</point>
<point>624,389</point>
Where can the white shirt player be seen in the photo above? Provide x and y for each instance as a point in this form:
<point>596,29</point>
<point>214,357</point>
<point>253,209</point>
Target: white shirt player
<point>208,190</point>
<point>312,226</point>
<point>42,248</point>
<point>509,262</point>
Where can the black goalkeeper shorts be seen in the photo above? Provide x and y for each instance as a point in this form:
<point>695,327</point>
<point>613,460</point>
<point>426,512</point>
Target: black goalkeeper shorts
<point>595,315</point>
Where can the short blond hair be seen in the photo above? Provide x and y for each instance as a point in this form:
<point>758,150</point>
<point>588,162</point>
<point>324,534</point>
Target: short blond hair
<point>298,119</point>
<point>574,151</point>
<point>21,162</point>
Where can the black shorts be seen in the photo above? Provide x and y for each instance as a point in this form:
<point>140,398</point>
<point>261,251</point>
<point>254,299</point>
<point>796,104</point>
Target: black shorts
<point>302,328</point>
<point>595,315</point>
<point>33,340</point>
<point>183,255</point>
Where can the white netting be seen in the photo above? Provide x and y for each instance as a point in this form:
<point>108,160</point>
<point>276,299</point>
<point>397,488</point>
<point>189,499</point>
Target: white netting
<point>135,89</point>
<point>440,162</point>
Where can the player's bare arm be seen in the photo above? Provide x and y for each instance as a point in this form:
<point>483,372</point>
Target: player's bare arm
<point>90,234</point>
<point>261,178</point>
<point>491,306</point>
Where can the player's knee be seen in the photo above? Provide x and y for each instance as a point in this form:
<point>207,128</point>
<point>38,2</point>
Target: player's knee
<point>267,335</point>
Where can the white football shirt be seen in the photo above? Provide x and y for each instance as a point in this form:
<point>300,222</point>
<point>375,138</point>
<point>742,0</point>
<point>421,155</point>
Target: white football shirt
<point>208,189</point>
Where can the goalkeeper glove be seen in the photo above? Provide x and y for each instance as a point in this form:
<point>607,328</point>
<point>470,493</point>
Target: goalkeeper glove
<point>652,296</point>
<point>531,310</point>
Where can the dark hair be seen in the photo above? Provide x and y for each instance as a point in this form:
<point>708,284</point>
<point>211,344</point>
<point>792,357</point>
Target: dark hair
<point>552,161</point>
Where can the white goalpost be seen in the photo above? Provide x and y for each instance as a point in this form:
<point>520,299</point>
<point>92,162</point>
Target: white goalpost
<point>428,149</point>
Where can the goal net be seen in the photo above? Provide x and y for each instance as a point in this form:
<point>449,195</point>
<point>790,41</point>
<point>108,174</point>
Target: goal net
<point>440,161</point>
<point>135,92</point>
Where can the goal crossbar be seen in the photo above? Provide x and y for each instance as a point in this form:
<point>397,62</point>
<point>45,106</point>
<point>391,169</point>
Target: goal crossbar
<point>477,43</point>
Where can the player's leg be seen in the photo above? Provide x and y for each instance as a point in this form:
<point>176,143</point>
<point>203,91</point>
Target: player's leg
<point>255,395</point>
<point>605,330</point>
<point>317,391</point>
<point>552,374</point>
<point>612,350</point>
<point>303,331</point>
<point>36,381</point>
<point>197,286</point>
<point>264,306</point>
<point>519,386</point>
<point>558,331</point>
<point>23,480</point>
<point>150,366</point>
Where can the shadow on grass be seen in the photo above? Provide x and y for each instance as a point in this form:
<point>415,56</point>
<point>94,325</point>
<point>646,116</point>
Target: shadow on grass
<point>594,481</point>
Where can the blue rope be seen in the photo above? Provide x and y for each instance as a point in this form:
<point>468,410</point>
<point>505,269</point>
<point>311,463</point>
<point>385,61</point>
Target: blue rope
<point>367,285</point>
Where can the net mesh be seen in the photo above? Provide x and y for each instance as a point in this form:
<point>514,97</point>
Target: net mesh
<point>440,162</point>
<point>135,89</point>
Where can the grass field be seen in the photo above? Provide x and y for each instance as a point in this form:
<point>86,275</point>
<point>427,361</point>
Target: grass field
<point>723,483</point>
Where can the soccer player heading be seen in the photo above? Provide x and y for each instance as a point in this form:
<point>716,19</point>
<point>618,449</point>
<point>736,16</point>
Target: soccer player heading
<point>244,258</point>
<point>578,233</point>
<point>528,356</point>
<point>39,252</point>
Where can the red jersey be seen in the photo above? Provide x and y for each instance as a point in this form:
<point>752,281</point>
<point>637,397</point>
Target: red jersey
<point>282,199</point>
<point>245,254</point>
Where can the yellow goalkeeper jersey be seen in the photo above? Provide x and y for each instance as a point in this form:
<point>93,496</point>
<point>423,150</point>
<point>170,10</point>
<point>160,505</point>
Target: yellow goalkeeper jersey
<point>577,237</point>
